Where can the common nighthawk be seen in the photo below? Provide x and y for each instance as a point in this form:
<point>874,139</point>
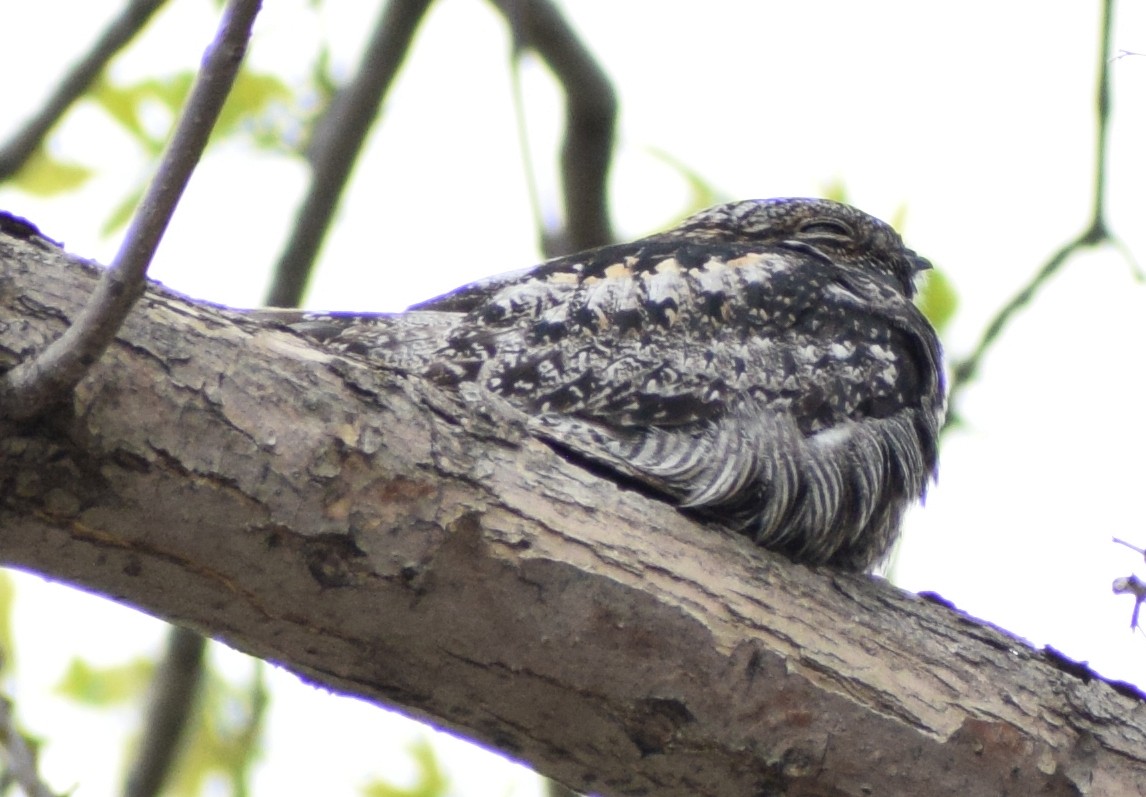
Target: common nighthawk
<point>760,364</point>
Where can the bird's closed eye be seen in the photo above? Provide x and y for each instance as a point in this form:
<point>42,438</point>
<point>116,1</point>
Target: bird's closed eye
<point>824,229</point>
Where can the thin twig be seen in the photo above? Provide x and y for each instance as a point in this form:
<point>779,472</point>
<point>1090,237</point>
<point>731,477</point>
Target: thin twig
<point>174,693</point>
<point>1097,232</point>
<point>15,153</point>
<point>338,142</point>
<point>590,119</point>
<point>1140,551</point>
<point>32,386</point>
<point>19,755</point>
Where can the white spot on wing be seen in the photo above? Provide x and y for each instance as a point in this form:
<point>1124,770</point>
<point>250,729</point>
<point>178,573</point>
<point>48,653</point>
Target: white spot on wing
<point>833,436</point>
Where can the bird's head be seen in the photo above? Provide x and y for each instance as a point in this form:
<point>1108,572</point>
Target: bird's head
<point>836,232</point>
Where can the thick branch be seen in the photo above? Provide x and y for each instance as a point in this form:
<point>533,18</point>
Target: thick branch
<point>371,534</point>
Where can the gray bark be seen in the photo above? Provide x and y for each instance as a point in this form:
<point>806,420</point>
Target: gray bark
<point>373,535</point>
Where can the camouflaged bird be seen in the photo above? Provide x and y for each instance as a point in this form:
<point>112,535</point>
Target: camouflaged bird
<point>761,364</point>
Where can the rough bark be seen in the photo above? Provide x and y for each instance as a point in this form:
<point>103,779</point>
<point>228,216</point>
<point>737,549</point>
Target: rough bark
<point>370,534</point>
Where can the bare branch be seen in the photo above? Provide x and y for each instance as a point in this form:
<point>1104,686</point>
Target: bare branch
<point>1140,551</point>
<point>964,371</point>
<point>590,118</point>
<point>32,386</point>
<point>338,142</point>
<point>174,693</point>
<point>1097,232</point>
<point>15,153</point>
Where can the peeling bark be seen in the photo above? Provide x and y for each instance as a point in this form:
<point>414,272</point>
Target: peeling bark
<point>371,534</point>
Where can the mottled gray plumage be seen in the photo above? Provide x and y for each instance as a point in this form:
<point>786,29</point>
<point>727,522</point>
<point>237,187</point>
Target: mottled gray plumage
<point>761,364</point>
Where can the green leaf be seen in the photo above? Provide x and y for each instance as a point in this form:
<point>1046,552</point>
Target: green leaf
<point>937,299</point>
<point>432,781</point>
<point>100,687</point>
<point>43,175</point>
<point>252,94</point>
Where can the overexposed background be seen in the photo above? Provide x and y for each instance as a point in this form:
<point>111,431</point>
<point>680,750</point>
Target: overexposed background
<point>977,119</point>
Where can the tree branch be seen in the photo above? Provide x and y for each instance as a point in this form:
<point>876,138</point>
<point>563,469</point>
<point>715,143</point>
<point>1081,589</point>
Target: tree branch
<point>374,535</point>
<point>1097,231</point>
<point>338,142</point>
<point>174,696</point>
<point>15,153</point>
<point>34,385</point>
<point>590,118</point>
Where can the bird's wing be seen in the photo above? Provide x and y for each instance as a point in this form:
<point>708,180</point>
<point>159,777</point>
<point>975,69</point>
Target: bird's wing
<point>781,391</point>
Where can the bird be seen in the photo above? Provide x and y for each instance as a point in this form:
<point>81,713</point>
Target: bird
<point>761,366</point>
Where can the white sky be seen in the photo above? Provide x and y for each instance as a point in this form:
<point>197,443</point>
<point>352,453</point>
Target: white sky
<point>977,117</point>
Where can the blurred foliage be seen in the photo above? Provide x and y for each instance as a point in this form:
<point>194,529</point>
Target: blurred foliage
<point>43,175</point>
<point>222,740</point>
<point>130,106</point>
<point>431,781</point>
<point>104,687</point>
